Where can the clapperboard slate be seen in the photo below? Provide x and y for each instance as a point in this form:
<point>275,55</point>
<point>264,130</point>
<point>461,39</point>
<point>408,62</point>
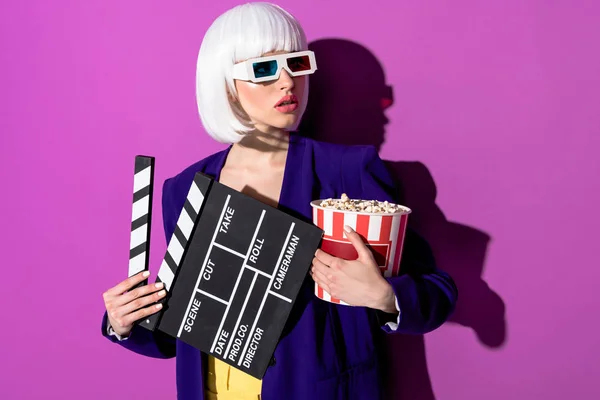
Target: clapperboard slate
<point>240,269</point>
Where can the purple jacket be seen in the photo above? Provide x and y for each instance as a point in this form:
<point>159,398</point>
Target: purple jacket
<point>327,351</point>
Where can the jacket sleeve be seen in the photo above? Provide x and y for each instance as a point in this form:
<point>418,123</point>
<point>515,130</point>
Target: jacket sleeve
<point>154,344</point>
<point>425,295</point>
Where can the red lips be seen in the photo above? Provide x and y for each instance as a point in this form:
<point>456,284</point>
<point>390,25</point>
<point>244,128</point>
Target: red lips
<point>290,99</point>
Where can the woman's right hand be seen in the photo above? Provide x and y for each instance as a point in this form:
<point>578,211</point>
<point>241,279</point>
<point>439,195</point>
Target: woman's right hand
<point>125,307</point>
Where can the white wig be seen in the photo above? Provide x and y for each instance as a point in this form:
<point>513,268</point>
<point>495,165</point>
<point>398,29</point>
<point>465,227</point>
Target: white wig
<point>246,31</point>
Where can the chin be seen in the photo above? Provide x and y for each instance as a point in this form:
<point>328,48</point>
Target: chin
<point>287,124</point>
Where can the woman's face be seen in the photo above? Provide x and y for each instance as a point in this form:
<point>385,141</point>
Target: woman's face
<point>262,101</point>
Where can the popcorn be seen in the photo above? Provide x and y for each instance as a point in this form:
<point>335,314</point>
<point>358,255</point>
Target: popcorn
<point>380,223</point>
<point>369,206</point>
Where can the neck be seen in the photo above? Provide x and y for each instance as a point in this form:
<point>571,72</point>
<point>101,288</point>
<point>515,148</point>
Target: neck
<point>259,146</point>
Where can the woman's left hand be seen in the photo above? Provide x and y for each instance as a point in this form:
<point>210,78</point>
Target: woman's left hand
<point>357,282</point>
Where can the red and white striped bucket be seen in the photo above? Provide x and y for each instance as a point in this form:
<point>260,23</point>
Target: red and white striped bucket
<point>384,233</point>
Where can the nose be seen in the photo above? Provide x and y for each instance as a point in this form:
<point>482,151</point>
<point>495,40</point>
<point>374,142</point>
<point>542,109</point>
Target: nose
<point>285,81</point>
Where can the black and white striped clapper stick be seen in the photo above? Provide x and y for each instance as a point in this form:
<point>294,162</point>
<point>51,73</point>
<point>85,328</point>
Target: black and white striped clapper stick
<point>178,244</point>
<point>141,215</point>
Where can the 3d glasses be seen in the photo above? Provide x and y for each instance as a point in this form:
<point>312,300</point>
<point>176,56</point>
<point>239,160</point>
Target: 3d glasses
<point>268,68</point>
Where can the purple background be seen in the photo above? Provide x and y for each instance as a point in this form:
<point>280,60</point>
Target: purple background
<point>497,100</point>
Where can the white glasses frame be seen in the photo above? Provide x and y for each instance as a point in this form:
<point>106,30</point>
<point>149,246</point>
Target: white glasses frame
<point>244,71</point>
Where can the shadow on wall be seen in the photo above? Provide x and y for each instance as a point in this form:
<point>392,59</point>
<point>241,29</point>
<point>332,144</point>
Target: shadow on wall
<point>350,81</point>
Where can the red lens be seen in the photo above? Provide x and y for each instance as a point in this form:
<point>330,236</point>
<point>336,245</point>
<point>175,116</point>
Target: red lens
<point>386,103</point>
<point>298,64</point>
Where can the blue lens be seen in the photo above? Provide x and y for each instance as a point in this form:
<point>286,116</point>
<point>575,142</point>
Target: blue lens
<point>265,68</point>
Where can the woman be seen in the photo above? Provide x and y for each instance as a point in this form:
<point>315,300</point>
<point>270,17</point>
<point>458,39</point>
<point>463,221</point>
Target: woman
<point>327,351</point>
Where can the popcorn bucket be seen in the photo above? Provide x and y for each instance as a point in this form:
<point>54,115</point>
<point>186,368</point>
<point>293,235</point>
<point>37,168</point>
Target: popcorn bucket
<point>384,234</point>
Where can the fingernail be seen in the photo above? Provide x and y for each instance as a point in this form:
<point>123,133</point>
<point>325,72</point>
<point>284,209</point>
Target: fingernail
<point>159,285</point>
<point>347,228</point>
<point>146,274</point>
<point>162,293</point>
<point>159,306</point>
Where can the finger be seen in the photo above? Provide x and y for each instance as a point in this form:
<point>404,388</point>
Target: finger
<point>141,292</point>
<point>136,293</point>
<point>127,284</point>
<point>323,276</point>
<point>320,266</point>
<point>324,257</point>
<point>140,303</point>
<point>358,243</point>
<point>130,319</point>
<point>321,280</point>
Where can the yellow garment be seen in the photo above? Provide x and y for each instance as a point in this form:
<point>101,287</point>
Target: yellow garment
<point>224,382</point>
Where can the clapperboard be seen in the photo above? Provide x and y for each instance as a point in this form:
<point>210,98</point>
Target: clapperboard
<point>232,270</point>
